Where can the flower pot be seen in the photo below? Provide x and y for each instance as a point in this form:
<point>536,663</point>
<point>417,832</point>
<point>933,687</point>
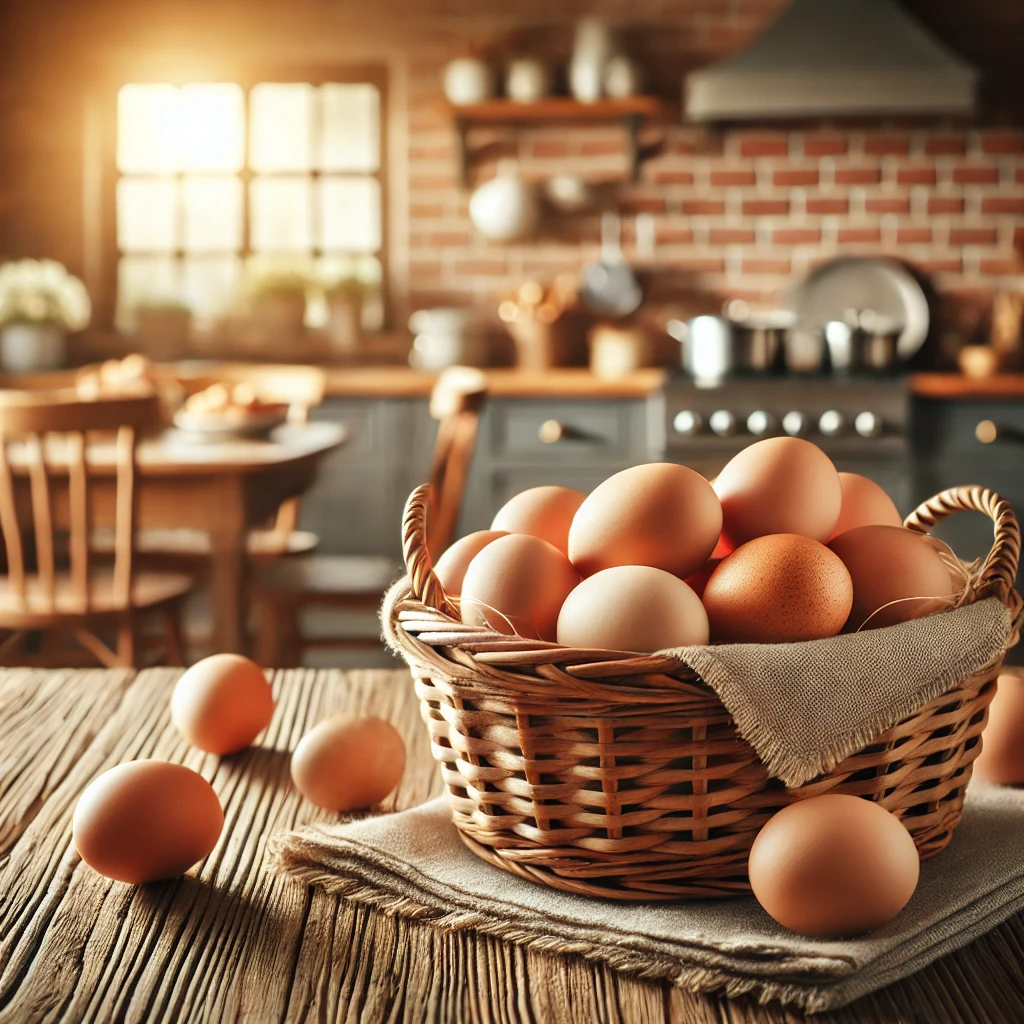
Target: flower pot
<point>32,348</point>
<point>279,317</point>
<point>344,322</point>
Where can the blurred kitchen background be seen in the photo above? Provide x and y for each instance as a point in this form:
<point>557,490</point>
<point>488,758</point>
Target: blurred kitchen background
<point>665,227</point>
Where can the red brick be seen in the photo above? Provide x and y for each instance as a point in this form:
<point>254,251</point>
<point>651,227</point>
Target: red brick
<point>997,143</point>
<point>602,147</point>
<point>795,176</point>
<point>765,207</point>
<point>445,238</point>
<point>1020,174</point>
<point>421,268</point>
<point>952,265</point>
<point>1002,204</point>
<point>824,145</point>
<point>796,236</point>
<point>1018,239</point>
<point>549,148</point>
<point>756,266</point>
<point>976,174</point>
<point>425,211</point>
<point>858,175</point>
<point>730,236</point>
<point>1002,266</point>
<point>674,236</point>
<point>642,204</point>
<point>726,179</point>
<point>673,178</point>
<point>886,145</point>
<point>440,151</point>
<point>972,236</point>
<point>431,182</point>
<point>913,236</point>
<point>702,207</point>
<point>481,268</point>
<point>764,145</point>
<point>945,204</point>
<point>865,236</point>
<point>916,175</point>
<point>823,205</point>
<point>700,265</point>
<point>945,145</point>
<point>888,204</point>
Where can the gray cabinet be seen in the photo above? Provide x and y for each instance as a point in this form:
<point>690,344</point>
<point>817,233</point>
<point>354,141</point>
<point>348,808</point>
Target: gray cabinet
<point>355,506</point>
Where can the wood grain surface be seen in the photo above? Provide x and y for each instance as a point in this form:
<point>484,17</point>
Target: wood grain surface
<point>230,942</point>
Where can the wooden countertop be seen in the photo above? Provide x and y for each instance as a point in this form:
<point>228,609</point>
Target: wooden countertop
<point>231,941</point>
<point>955,385</point>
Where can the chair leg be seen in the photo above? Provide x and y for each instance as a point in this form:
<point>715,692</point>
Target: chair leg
<point>126,642</point>
<point>279,644</point>
<point>174,640</point>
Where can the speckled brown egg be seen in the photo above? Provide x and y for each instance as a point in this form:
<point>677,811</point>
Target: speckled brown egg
<point>833,865</point>
<point>779,485</point>
<point>544,512</point>
<point>451,567</point>
<point>897,576</point>
<point>778,589</point>
<point>864,504</point>
<point>1002,743</point>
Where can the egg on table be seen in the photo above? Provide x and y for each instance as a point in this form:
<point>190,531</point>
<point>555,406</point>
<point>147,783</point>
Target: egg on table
<point>897,576</point>
<point>544,512</point>
<point>864,504</point>
<point>347,762</point>
<point>833,865</point>
<point>660,514</point>
<point>779,485</point>
<point>1002,743</point>
<point>144,821</point>
<point>632,608</point>
<point>517,585</point>
<point>450,568</point>
<point>778,589</point>
<point>222,703</point>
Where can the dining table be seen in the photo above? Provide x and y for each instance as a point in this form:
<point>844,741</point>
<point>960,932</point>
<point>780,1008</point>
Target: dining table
<point>224,487</point>
<point>232,941</point>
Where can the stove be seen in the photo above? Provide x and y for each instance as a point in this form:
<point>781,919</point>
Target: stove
<point>862,423</point>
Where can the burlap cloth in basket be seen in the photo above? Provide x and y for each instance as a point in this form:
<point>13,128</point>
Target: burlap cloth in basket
<point>414,865</point>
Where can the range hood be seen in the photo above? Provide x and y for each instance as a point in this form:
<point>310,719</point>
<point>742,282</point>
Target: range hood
<point>835,58</point>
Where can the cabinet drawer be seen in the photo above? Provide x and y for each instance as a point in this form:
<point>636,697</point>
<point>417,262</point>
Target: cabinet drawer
<point>564,431</point>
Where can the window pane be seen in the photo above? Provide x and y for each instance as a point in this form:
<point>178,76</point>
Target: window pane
<point>145,128</point>
<point>145,280</point>
<point>213,214</point>
<point>147,214</point>
<point>333,268</point>
<point>281,127</point>
<point>349,128</point>
<point>350,214</point>
<point>211,286</point>
<point>211,126</point>
<point>281,214</point>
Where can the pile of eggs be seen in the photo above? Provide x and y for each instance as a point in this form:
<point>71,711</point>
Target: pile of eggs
<point>780,547</point>
<point>147,820</point>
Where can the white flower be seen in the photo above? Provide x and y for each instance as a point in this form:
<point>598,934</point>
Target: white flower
<point>42,291</point>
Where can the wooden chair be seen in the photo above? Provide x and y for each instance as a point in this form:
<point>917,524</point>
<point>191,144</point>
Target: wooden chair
<point>357,583</point>
<point>47,483</point>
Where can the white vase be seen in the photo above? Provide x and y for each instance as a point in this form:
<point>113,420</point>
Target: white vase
<point>468,80</point>
<point>32,348</point>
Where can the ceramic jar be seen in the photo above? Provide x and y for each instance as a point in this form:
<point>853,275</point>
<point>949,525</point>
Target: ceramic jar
<point>32,348</point>
<point>468,80</point>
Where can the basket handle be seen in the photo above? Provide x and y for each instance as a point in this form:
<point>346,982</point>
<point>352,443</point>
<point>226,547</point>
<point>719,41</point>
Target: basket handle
<point>1000,566</point>
<point>424,585</point>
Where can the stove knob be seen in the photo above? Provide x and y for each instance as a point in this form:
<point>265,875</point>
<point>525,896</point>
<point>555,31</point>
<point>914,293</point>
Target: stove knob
<point>760,423</point>
<point>722,422</point>
<point>831,423</point>
<point>688,422</point>
<point>794,423</point>
<point>867,424</point>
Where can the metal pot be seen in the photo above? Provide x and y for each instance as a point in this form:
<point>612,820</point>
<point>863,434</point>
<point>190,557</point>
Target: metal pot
<point>715,347</point>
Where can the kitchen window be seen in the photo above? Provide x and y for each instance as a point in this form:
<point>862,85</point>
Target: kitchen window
<point>220,182</point>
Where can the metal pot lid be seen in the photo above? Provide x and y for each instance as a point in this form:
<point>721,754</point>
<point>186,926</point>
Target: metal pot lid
<point>848,286</point>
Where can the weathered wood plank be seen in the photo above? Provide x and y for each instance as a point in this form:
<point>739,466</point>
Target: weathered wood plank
<point>230,942</point>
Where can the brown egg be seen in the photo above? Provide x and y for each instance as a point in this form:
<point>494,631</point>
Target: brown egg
<point>222,703</point>
<point>1002,744</point>
<point>347,762</point>
<point>698,581</point>
<point>517,585</point>
<point>632,608</point>
<point>660,514</point>
<point>544,512</point>
<point>833,865</point>
<point>778,589</point>
<point>779,485</point>
<point>864,504</point>
<point>146,820</point>
<point>450,569</point>
<point>891,564</point>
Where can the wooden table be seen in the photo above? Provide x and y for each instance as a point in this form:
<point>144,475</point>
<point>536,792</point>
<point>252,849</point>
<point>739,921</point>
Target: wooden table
<point>224,489</point>
<point>231,942</point>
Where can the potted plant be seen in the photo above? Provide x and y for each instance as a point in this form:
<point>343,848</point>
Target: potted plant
<point>277,298</point>
<point>344,300</point>
<point>40,302</point>
<point>163,326</point>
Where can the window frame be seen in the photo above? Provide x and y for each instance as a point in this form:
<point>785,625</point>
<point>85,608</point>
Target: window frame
<point>101,174</point>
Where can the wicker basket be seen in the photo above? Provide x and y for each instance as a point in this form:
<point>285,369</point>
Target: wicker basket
<point>626,778</point>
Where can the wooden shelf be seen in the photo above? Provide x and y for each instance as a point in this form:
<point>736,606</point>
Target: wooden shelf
<point>631,112</point>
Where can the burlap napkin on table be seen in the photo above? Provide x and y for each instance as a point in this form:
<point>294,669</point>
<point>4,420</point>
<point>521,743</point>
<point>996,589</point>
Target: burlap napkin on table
<point>414,865</point>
